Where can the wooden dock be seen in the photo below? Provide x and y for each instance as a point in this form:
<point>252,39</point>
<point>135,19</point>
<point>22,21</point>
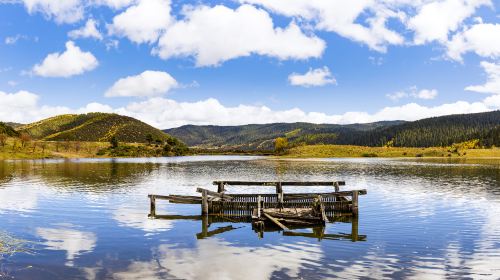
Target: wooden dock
<point>336,203</point>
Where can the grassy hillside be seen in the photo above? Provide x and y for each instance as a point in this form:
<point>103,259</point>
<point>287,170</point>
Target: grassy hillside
<point>261,136</point>
<point>93,127</point>
<point>431,132</point>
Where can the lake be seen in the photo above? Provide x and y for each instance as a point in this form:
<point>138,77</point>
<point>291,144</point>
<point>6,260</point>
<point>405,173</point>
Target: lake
<point>87,219</point>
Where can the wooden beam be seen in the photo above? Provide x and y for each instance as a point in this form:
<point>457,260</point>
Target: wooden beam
<point>272,219</point>
<point>250,183</point>
<point>216,194</point>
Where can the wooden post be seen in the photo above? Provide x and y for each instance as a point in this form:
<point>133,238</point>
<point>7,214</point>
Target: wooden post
<point>204,226</point>
<point>355,203</point>
<point>354,229</point>
<point>279,192</point>
<point>258,206</point>
<point>152,207</point>
<point>220,187</point>
<point>204,203</point>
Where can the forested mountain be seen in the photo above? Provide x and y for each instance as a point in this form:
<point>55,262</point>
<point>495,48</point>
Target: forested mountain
<point>95,127</point>
<point>437,131</point>
<point>261,136</point>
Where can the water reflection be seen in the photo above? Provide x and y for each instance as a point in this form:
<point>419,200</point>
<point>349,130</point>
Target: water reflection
<point>218,259</point>
<point>423,219</point>
<point>65,238</point>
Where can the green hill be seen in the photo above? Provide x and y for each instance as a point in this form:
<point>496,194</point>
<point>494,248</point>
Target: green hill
<point>438,131</point>
<point>94,127</point>
<point>261,136</point>
<point>6,129</point>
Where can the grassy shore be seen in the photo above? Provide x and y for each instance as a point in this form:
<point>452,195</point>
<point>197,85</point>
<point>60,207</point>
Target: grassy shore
<point>15,149</point>
<point>327,151</point>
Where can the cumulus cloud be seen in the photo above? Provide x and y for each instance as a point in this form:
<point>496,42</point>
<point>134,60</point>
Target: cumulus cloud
<point>342,17</point>
<point>73,61</point>
<point>413,92</point>
<point>67,11</point>
<point>492,84</point>
<point>435,20</point>
<point>313,78</point>
<point>213,35</point>
<point>160,112</point>
<point>89,30</point>
<point>143,22</point>
<point>482,38</point>
<point>148,83</point>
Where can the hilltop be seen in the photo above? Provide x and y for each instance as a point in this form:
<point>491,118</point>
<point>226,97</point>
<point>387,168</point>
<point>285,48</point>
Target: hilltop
<point>430,132</point>
<point>93,127</point>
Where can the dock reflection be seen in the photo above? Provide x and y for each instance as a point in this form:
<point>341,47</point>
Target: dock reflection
<point>209,227</point>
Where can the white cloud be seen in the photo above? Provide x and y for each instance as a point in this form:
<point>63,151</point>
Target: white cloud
<point>492,84</point>
<point>435,20</point>
<point>69,63</point>
<point>397,95</point>
<point>148,83</point>
<point>88,31</point>
<point>215,34</point>
<point>482,38</point>
<point>144,22</point>
<point>413,92</point>
<point>12,40</point>
<point>426,94</point>
<point>342,17</point>
<point>115,4</point>
<point>166,113</point>
<point>313,78</point>
<point>67,11</point>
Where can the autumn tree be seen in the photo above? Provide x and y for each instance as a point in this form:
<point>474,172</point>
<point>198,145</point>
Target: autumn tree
<point>280,145</point>
<point>25,139</point>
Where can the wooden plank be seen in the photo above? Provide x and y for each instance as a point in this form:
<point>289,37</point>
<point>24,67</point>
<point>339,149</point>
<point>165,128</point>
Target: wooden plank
<point>216,194</point>
<point>282,226</point>
<point>253,183</point>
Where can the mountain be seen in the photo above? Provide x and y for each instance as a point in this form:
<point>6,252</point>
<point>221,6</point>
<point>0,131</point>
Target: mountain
<point>6,129</point>
<point>261,136</point>
<point>94,127</point>
<point>437,131</point>
<point>14,125</point>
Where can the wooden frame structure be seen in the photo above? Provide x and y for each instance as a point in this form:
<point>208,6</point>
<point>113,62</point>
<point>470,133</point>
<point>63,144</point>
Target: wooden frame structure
<point>336,203</point>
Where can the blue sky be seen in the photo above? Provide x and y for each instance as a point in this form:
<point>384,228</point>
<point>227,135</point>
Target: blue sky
<point>249,61</point>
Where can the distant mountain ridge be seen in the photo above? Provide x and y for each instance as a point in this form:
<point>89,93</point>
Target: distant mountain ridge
<point>437,131</point>
<point>93,127</point>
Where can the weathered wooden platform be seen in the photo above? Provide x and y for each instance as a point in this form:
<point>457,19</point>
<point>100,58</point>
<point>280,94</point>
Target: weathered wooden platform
<point>336,203</point>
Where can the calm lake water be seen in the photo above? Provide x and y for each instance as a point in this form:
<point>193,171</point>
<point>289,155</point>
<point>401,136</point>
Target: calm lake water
<point>87,219</point>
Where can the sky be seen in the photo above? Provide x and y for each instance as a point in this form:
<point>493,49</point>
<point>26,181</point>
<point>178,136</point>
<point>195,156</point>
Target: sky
<point>171,63</point>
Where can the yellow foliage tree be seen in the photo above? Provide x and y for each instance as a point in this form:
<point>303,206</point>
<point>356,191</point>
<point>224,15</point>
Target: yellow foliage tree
<point>280,145</point>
